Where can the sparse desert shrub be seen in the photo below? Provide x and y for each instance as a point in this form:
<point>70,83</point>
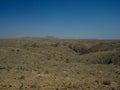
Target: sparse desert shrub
<point>46,72</point>
<point>10,85</point>
<point>12,50</point>
<point>106,82</point>
<point>48,58</point>
<point>55,45</point>
<point>57,89</point>
<point>17,50</point>
<point>21,77</point>
<point>25,45</point>
<point>34,45</point>
<point>97,81</point>
<point>32,86</point>
<point>67,61</point>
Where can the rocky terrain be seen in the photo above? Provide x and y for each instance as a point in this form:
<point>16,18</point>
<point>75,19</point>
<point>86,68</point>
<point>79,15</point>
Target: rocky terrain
<point>59,64</point>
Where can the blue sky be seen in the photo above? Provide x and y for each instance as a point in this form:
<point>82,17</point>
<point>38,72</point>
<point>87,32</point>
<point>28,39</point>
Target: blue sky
<point>96,19</point>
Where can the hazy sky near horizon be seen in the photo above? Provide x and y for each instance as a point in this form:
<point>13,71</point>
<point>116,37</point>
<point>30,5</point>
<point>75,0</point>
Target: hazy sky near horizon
<point>96,19</point>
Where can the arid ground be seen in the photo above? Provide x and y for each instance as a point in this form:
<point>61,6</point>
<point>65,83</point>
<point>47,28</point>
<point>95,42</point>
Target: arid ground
<point>57,64</point>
